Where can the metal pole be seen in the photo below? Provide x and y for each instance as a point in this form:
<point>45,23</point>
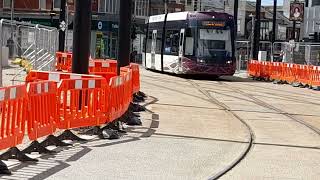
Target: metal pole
<point>256,38</point>
<point>252,35</point>
<point>67,27</point>
<point>62,19</point>
<point>81,36</point>
<point>10,41</point>
<point>235,14</point>
<point>165,6</point>
<point>12,12</point>
<point>1,44</point>
<point>293,34</point>
<point>274,21</point>
<point>124,34</point>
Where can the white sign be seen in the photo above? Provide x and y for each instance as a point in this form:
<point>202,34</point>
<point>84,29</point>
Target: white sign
<point>63,26</point>
<point>99,25</point>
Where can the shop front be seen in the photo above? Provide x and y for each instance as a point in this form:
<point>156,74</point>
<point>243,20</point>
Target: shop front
<point>106,39</point>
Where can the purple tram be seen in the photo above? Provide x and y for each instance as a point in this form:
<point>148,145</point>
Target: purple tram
<point>191,43</point>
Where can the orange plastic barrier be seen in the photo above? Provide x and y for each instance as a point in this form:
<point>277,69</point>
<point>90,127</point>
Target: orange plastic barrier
<point>63,61</point>
<point>116,91</point>
<point>83,102</point>
<point>42,114</point>
<point>128,91</point>
<point>254,68</point>
<point>106,75</point>
<point>13,108</point>
<point>135,77</point>
<point>291,73</point>
<point>103,66</point>
<point>315,76</point>
<point>54,76</point>
<point>264,70</point>
<point>276,71</point>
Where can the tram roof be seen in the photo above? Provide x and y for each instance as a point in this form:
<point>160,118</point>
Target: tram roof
<point>178,16</point>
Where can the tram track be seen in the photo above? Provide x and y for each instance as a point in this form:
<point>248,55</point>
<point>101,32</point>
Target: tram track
<point>232,113</point>
<point>258,102</point>
<point>277,110</point>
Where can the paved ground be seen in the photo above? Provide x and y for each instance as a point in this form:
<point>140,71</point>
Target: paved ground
<point>199,129</point>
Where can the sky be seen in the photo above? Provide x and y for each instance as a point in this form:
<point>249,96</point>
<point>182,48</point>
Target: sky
<point>270,2</point>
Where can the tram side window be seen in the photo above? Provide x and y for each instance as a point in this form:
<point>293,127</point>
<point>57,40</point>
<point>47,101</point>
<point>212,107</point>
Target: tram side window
<point>149,41</point>
<point>159,42</point>
<point>172,42</point>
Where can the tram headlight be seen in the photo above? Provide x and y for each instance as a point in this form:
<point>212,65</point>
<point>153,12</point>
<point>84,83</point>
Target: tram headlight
<point>229,62</point>
<point>201,61</point>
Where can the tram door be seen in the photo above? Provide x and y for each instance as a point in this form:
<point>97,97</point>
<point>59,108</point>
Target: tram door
<point>153,49</point>
<point>181,47</point>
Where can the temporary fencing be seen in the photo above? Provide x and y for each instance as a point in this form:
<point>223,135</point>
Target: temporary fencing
<point>61,100</point>
<point>63,61</point>
<point>103,66</point>
<point>83,102</point>
<point>286,72</point>
<point>13,108</point>
<point>42,111</point>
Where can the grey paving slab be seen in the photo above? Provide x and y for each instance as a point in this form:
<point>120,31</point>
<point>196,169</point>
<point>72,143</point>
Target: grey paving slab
<point>272,162</point>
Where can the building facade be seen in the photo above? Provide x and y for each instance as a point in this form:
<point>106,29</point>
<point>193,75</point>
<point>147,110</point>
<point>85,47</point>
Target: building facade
<point>104,25</point>
<point>311,18</point>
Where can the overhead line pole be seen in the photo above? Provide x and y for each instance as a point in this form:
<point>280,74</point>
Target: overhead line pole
<point>62,19</point>
<point>124,34</point>
<point>274,23</point>
<point>256,38</point>
<point>81,37</point>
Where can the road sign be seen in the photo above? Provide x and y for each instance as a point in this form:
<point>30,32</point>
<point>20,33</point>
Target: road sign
<point>63,26</point>
<point>99,25</point>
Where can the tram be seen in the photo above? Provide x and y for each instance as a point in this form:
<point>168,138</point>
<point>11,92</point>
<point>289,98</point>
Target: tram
<point>191,43</point>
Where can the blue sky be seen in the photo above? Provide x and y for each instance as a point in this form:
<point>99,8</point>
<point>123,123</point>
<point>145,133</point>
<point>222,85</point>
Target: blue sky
<point>270,2</point>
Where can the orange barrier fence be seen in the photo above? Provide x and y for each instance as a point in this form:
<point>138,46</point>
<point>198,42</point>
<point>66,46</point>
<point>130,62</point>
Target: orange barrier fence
<point>287,72</point>
<point>103,66</point>
<point>42,114</point>
<point>13,108</point>
<point>135,77</point>
<point>63,61</point>
<point>83,102</point>
<point>54,76</point>
<point>99,67</point>
<point>52,100</point>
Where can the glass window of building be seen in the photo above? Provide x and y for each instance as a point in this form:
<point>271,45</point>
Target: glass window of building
<point>112,6</point>
<point>102,5</point>
<point>141,7</point>
<point>6,3</point>
<point>42,4</point>
<point>56,4</point>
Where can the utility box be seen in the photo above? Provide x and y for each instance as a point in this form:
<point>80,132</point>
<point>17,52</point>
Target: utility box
<point>5,57</point>
<point>262,56</point>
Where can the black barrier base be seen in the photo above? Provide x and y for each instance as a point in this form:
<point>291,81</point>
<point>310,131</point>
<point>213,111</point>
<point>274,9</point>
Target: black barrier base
<point>93,131</point>
<point>142,94</point>
<point>137,98</point>
<point>136,107</point>
<point>68,135</point>
<point>4,170</point>
<point>15,153</point>
<point>53,141</point>
<point>35,146</point>
<point>133,114</point>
